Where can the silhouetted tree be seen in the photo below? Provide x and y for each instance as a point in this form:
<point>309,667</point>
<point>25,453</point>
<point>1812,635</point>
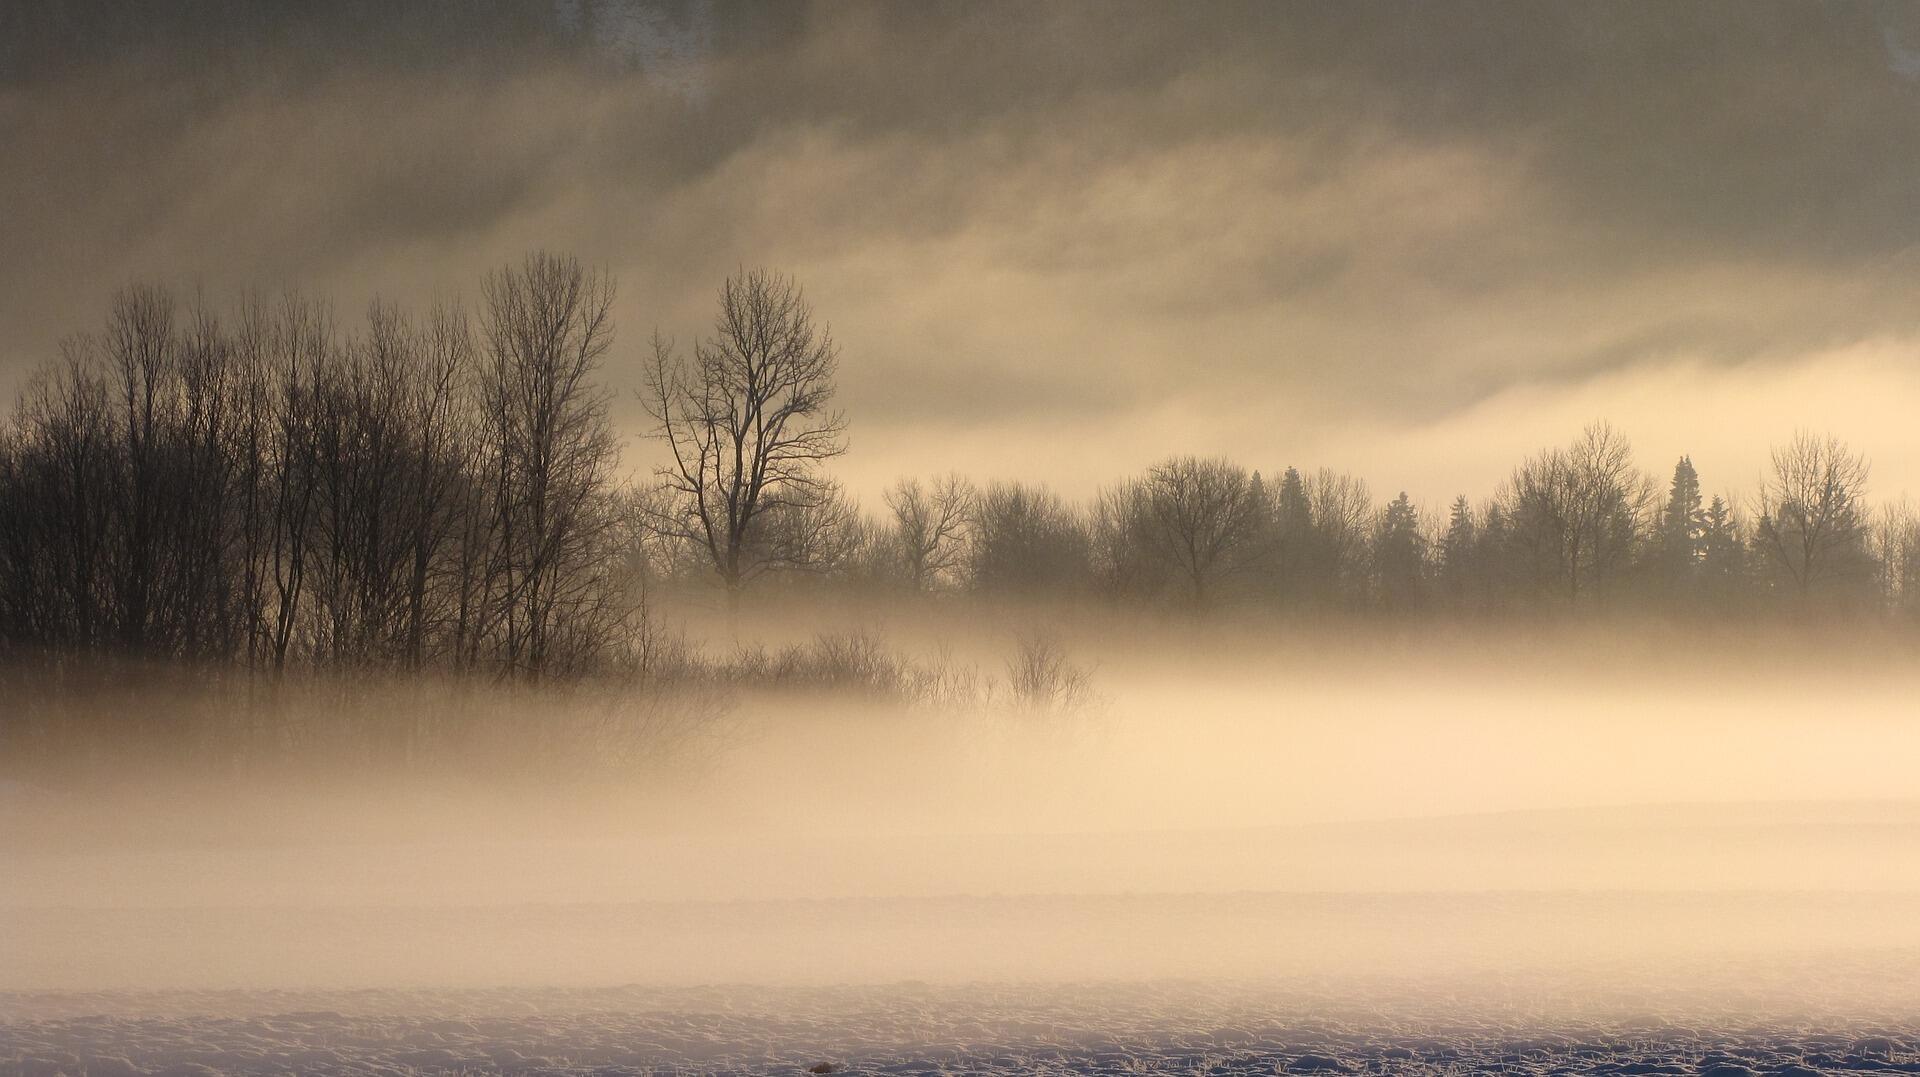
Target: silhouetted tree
<point>748,426</point>
<point>1812,530</point>
<point>1399,557</point>
<point>1677,541</point>
<point>1724,564</point>
<point>1678,536</point>
<point>1576,513</point>
<point>545,326</point>
<point>1292,538</point>
<point>1202,517</point>
<point>1026,541</point>
<point>929,528</point>
<point>1896,549</point>
<point>1127,557</point>
<point>1459,555</point>
<point>1339,532</point>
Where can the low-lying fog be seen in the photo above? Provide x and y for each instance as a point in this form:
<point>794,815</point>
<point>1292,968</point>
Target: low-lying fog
<point>1216,805</point>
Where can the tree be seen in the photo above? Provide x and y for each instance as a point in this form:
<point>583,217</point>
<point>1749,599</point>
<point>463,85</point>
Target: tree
<point>1496,571</point>
<point>1340,521</point>
<point>264,491</point>
<point>141,347</point>
<point>1812,529</point>
<point>1292,537</point>
<point>1202,514</point>
<point>302,347</point>
<point>929,528</point>
<point>824,535</point>
<point>1681,529</point>
<point>1399,557</point>
<point>1896,547</point>
<point>1124,543</point>
<point>1723,558</point>
<point>545,326</point>
<point>1458,548</point>
<point>1677,543</point>
<point>747,425</point>
<point>1577,512</point>
<point>57,514</point>
<point>1026,542</point>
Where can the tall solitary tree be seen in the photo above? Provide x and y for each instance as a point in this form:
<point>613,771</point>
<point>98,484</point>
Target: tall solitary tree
<point>748,424</point>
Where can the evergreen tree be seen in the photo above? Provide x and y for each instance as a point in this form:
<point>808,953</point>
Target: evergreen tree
<point>1399,556</point>
<point>1679,537</point>
<point>1292,536</point>
<point>1256,556</point>
<point>1457,560</point>
<point>1493,558</point>
<point>1723,560</point>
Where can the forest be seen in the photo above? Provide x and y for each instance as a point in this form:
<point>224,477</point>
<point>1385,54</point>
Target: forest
<point>270,487</point>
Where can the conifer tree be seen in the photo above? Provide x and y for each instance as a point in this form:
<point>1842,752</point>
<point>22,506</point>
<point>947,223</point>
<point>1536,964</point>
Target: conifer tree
<point>1399,556</point>
<point>1679,534</point>
<point>1457,560</point>
<point>1292,535</point>
<point>1723,561</point>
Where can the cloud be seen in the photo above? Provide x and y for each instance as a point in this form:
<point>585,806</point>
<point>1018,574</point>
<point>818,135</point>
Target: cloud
<point>1067,238</point>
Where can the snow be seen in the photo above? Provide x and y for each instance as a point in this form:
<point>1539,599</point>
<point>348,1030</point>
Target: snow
<point>1161,1027</point>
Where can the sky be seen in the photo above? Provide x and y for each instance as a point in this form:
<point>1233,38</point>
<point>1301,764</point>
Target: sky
<point>1059,241</point>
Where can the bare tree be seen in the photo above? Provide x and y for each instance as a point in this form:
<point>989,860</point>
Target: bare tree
<point>748,426</point>
<point>266,492</point>
<point>1340,527</point>
<point>1203,513</point>
<point>1896,549</point>
<point>1578,512</point>
<point>442,457</point>
<point>1027,541</point>
<point>1812,527</point>
<point>141,347</point>
<point>929,527</point>
<point>1125,550</point>
<point>823,535</point>
<point>56,526</point>
<point>546,325</point>
<point>303,347</point>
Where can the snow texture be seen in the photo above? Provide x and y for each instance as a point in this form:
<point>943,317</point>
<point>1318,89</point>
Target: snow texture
<point>1164,1027</point>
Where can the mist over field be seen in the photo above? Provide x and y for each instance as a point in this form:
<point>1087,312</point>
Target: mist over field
<point>631,536</point>
<point>1346,806</point>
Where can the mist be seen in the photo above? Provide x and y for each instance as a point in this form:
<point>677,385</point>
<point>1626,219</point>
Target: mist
<point>603,537</point>
<point>1224,805</point>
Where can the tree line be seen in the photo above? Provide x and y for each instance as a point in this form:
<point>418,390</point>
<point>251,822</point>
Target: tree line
<point>269,487</point>
<point>1573,529</point>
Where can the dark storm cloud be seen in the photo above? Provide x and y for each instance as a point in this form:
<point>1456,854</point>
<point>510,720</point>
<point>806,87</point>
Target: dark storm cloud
<point>1236,227</point>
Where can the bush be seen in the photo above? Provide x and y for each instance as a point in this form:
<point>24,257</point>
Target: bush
<point>1040,676</point>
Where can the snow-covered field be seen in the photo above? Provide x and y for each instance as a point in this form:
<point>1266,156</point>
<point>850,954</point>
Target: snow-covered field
<point>1783,982</point>
<point>1750,903</point>
<point>1159,1027</point>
